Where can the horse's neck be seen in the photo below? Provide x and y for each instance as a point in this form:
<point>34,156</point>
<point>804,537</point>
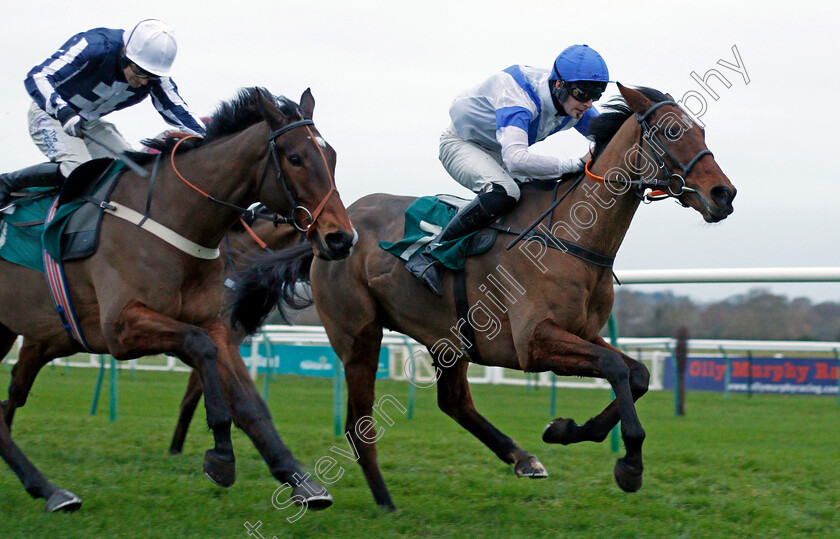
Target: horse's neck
<point>591,215</point>
<point>597,215</point>
<point>225,169</point>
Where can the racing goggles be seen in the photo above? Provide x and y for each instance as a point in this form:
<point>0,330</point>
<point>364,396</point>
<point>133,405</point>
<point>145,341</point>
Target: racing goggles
<point>141,73</point>
<point>584,90</point>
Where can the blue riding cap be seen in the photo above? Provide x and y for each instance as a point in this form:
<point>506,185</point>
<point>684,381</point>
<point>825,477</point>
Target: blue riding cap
<point>579,62</point>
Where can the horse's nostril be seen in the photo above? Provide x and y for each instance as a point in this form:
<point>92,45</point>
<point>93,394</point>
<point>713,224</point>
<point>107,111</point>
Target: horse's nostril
<point>338,241</point>
<point>722,194</point>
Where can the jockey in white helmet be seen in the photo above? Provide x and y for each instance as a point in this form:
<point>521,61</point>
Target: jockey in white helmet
<point>93,74</point>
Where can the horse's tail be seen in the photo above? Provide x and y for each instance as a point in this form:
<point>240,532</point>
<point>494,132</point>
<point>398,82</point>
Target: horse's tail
<point>271,282</point>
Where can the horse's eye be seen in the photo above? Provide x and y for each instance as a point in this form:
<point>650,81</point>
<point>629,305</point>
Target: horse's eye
<point>295,160</point>
<point>673,132</point>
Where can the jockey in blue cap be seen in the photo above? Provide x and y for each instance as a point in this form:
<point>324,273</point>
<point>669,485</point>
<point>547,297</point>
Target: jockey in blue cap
<point>95,73</point>
<point>486,149</point>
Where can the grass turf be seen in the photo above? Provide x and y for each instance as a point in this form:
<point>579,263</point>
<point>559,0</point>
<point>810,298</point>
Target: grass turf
<point>764,466</point>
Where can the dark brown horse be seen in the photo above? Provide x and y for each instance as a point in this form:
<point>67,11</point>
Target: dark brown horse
<point>537,307</point>
<point>154,298</point>
<point>240,248</point>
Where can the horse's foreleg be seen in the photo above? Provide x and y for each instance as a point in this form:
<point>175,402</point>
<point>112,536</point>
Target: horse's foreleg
<point>566,431</point>
<point>29,364</point>
<point>455,400</point>
<point>140,331</point>
<point>552,348</point>
<point>251,414</point>
<point>188,405</point>
<point>7,340</point>
<point>360,373</point>
<point>34,481</point>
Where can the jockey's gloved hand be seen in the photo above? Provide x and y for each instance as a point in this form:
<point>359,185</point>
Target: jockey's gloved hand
<point>73,126</point>
<point>71,122</point>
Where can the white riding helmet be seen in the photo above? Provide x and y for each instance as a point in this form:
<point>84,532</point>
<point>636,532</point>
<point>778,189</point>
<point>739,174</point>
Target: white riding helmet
<point>151,45</point>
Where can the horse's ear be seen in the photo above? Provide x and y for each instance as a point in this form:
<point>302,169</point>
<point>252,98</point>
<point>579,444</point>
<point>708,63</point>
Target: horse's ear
<point>307,103</point>
<point>268,107</point>
<point>637,102</point>
<point>264,102</point>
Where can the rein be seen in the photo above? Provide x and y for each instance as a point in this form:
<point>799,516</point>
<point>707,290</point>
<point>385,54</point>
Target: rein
<point>250,231</point>
<point>310,216</point>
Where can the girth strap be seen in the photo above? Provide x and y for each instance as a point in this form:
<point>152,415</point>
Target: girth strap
<point>560,244</point>
<point>462,311</point>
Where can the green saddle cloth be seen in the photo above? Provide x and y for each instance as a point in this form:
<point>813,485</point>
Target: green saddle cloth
<point>424,219</point>
<point>21,230</point>
<point>23,235</point>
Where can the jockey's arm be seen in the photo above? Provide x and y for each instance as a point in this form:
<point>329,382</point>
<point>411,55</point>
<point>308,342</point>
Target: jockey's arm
<point>41,81</point>
<point>521,162</point>
<point>173,109</point>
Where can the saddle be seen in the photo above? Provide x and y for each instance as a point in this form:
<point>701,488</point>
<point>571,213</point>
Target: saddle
<point>73,233</point>
<point>424,219</point>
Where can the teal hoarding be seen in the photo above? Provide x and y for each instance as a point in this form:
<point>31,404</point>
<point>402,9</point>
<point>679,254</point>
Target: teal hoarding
<point>303,360</point>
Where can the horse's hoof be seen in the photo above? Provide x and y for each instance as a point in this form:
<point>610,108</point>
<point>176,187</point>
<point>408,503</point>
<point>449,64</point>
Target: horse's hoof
<point>628,478</point>
<point>386,508</point>
<point>559,431</point>
<point>530,467</point>
<point>63,500</point>
<point>221,472</point>
<point>314,495</point>
<point>174,451</point>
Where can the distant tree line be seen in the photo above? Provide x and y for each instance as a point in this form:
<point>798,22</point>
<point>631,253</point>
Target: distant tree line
<point>756,315</point>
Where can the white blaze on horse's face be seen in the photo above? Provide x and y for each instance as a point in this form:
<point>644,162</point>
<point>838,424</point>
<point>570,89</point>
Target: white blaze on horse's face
<point>321,142</point>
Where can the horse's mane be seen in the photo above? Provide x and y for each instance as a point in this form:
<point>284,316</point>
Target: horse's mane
<point>604,127</point>
<point>230,117</point>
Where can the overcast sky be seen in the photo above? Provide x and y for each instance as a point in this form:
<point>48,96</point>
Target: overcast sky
<point>384,73</point>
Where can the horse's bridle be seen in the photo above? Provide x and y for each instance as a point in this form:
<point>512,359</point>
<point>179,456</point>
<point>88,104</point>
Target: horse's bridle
<point>672,184</point>
<point>272,151</point>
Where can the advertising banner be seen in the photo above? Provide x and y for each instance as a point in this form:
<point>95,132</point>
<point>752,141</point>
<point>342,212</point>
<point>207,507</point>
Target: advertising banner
<point>817,376</point>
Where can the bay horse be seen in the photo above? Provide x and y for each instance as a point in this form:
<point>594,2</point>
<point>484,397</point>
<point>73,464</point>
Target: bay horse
<point>537,308</point>
<point>155,298</point>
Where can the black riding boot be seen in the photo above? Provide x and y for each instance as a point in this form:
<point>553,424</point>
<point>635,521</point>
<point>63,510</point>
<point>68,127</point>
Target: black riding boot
<point>43,175</point>
<point>482,211</point>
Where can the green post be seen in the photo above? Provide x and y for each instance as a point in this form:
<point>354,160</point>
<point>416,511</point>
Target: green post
<point>113,400</point>
<point>412,393</point>
<point>337,398</point>
<point>750,379</point>
<point>552,413</point>
<point>727,375</point>
<point>412,389</point>
<point>676,380</point>
<point>267,365</point>
<point>612,326</point>
<point>98,387</point>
